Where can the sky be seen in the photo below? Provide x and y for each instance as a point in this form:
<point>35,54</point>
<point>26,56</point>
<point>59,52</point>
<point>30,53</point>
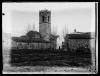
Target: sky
<point>65,17</point>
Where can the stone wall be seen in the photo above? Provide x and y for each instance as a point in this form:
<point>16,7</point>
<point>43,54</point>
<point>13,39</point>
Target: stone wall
<point>90,43</point>
<point>76,43</point>
<point>22,45</point>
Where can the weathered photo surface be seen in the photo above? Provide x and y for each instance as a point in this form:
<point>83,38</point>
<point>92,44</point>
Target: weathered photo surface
<point>49,38</point>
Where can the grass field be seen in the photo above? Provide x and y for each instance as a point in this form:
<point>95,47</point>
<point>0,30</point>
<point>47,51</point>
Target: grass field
<point>44,60</point>
<point>49,58</point>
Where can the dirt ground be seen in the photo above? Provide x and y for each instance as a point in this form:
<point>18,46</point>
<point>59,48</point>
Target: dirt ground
<point>43,70</point>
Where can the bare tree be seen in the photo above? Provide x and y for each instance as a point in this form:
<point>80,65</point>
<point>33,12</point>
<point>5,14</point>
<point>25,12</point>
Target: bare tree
<point>54,30</point>
<point>64,31</point>
<point>34,27</point>
<point>65,37</point>
<point>28,27</point>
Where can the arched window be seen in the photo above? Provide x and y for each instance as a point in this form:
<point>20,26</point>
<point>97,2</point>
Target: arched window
<point>43,18</point>
<point>48,18</point>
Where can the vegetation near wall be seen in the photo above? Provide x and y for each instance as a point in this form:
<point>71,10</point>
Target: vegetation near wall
<point>77,43</point>
<point>50,57</point>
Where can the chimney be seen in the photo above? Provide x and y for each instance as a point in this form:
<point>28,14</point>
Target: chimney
<point>74,30</point>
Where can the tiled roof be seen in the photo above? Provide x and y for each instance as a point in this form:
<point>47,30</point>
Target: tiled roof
<point>28,39</point>
<point>32,33</point>
<point>80,36</point>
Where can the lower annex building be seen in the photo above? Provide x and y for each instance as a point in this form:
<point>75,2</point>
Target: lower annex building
<point>76,40</point>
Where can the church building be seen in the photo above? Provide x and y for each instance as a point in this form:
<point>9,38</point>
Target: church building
<point>38,40</point>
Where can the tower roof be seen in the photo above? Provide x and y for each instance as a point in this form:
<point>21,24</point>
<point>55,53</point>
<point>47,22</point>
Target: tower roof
<point>29,40</point>
<point>44,10</point>
<point>80,35</point>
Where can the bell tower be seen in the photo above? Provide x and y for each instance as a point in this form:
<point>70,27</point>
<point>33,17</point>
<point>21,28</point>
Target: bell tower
<point>45,23</point>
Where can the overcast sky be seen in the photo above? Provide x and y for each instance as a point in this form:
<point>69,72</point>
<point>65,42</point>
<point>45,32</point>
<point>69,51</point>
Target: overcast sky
<point>64,17</point>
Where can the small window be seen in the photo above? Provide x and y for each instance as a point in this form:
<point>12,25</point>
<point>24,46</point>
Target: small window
<point>48,18</point>
<point>43,18</point>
